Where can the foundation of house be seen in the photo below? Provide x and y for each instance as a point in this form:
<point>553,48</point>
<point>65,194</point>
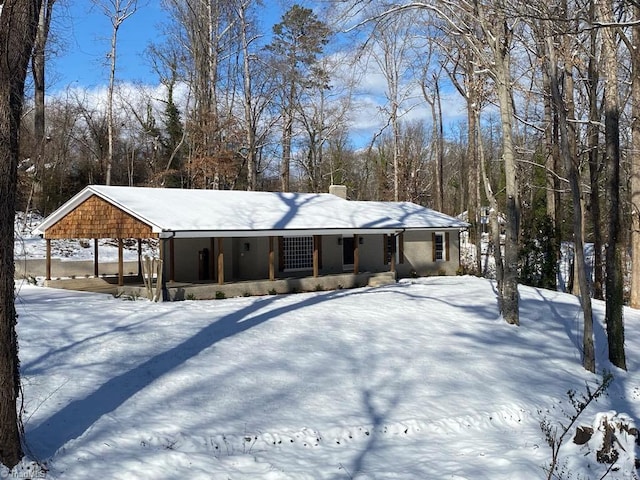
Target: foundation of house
<point>176,291</point>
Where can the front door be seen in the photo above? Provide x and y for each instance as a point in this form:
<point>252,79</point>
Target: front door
<point>347,253</point>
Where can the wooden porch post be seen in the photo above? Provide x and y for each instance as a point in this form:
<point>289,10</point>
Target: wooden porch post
<point>356,254</point>
<point>212,259</point>
<point>48,260</point>
<point>120,263</point>
<point>96,272</point>
<point>272,261</point>
<point>392,262</point>
<point>139,259</point>
<point>316,248</point>
<point>161,250</point>
<point>220,260</point>
<point>172,261</point>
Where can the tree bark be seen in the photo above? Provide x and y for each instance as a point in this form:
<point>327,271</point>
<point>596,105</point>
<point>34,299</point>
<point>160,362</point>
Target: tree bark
<point>18,24</point>
<point>614,278</point>
<point>38,72</point>
<point>635,165</point>
<point>500,47</point>
<point>569,155</point>
<point>593,138</point>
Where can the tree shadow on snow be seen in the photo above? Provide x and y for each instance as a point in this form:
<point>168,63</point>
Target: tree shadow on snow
<point>74,419</point>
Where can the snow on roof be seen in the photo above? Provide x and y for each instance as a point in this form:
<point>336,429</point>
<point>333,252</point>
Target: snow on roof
<point>234,211</point>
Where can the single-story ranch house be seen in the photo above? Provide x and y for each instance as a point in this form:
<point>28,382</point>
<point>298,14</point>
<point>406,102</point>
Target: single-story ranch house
<point>214,243</point>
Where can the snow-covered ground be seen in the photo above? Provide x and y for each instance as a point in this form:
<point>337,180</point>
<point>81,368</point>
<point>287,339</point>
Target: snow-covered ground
<point>417,380</point>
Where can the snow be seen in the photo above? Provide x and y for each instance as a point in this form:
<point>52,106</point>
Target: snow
<point>417,380</point>
<point>227,212</point>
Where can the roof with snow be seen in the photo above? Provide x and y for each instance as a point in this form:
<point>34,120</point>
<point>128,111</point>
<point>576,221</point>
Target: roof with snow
<point>194,213</point>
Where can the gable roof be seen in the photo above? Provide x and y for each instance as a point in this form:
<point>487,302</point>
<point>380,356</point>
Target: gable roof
<point>194,213</point>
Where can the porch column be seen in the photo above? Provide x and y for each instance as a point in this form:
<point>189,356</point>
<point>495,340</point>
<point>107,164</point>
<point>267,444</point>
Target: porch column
<point>316,256</point>
<point>272,261</point>
<point>220,260</point>
<point>392,261</point>
<point>356,254</point>
<point>96,273</point>
<point>48,260</point>
<point>161,250</point>
<point>139,259</point>
<point>212,259</point>
<point>172,261</point>
<point>120,263</point>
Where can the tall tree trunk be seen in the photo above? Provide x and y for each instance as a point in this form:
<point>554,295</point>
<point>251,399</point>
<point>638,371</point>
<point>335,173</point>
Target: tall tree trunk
<point>249,124</point>
<point>635,164</point>
<point>18,24</point>
<point>569,155</point>
<point>494,211</point>
<point>614,278</point>
<point>287,134</point>
<point>500,47</point>
<point>38,72</point>
<point>112,78</point>
<point>440,142</point>
<point>593,138</point>
<point>117,11</point>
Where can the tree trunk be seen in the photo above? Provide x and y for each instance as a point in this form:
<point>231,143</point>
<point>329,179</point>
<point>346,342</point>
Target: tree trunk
<point>38,72</point>
<point>510,298</point>
<point>18,23</point>
<point>635,165</point>
<point>569,156</point>
<point>112,77</point>
<point>249,125</point>
<point>593,138</point>
<point>440,142</point>
<point>614,279</point>
<point>494,223</point>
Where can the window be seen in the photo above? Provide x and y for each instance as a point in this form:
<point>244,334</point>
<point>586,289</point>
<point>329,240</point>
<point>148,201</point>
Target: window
<point>440,246</point>
<point>298,253</point>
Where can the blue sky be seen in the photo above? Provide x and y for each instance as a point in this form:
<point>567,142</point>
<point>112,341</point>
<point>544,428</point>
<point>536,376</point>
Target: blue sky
<point>84,34</point>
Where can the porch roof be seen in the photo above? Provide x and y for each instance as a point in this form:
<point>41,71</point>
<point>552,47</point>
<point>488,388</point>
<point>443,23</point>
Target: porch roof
<point>225,213</point>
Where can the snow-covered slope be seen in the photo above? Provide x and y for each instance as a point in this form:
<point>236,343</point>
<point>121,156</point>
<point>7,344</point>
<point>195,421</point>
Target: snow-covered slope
<point>418,380</point>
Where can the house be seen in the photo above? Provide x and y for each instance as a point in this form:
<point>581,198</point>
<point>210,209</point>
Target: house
<point>220,242</point>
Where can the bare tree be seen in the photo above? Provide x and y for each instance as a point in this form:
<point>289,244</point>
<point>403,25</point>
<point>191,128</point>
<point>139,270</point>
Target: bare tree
<point>18,26</point>
<point>392,49</point>
<point>559,97</point>
<point>614,276</point>
<point>38,72</point>
<point>117,11</point>
<point>635,163</point>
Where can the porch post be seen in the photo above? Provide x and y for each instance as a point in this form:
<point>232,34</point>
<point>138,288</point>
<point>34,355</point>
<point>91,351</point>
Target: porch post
<point>212,259</point>
<point>172,261</point>
<point>139,259</point>
<point>220,260</point>
<point>161,250</point>
<point>316,247</point>
<point>96,273</point>
<point>272,261</point>
<point>356,254</point>
<point>120,263</point>
<point>48,260</point>
<point>392,262</point>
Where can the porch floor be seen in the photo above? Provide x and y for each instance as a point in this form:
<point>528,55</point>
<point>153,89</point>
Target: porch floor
<point>134,287</point>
